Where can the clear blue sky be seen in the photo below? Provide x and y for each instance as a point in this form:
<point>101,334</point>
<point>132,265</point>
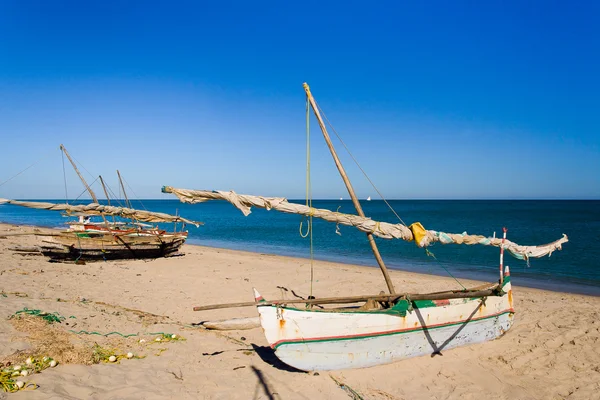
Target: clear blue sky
<point>436,99</point>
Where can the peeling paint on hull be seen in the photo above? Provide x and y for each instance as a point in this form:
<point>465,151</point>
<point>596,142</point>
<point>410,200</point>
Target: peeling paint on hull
<point>313,340</point>
<point>360,353</point>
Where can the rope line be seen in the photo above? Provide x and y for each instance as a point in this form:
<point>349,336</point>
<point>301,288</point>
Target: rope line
<point>84,191</point>
<point>430,254</point>
<point>64,177</point>
<point>136,196</point>
<point>309,197</point>
<point>165,335</point>
<point>114,196</point>
<point>19,173</point>
<point>359,167</point>
<point>83,166</point>
<point>427,252</point>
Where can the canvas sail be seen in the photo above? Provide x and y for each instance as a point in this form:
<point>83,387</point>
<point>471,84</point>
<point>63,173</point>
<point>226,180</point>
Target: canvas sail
<point>99,209</point>
<point>384,230</point>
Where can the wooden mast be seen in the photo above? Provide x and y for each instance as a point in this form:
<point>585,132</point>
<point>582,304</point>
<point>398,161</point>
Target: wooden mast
<point>106,194</point>
<point>355,201</point>
<point>89,189</point>
<point>124,192</point>
<point>127,202</point>
<point>104,188</point>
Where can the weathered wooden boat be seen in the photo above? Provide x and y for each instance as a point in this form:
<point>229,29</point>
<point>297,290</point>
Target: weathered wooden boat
<point>108,243</point>
<point>132,237</point>
<point>111,245</point>
<point>385,327</point>
<point>354,338</point>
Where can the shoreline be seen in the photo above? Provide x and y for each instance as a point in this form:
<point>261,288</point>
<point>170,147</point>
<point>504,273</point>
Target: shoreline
<point>567,287</point>
<point>528,282</point>
<point>551,351</point>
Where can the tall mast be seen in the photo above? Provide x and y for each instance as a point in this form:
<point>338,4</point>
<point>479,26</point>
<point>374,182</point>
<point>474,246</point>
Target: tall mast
<point>355,201</point>
<point>106,194</point>
<point>127,202</point>
<point>104,187</point>
<point>89,189</point>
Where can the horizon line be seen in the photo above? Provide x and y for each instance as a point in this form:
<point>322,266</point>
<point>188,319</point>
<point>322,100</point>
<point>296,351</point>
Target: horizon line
<point>335,199</point>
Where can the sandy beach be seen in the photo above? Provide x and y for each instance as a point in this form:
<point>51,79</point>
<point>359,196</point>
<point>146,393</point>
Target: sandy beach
<point>552,351</point>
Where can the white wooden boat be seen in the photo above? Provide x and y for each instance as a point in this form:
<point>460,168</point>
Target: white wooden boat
<point>386,327</point>
<point>315,339</point>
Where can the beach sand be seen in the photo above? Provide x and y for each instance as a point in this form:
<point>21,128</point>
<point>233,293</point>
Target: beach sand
<point>552,351</point>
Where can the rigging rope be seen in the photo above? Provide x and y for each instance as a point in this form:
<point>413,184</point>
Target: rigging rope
<point>359,167</point>
<point>309,229</point>
<point>19,173</point>
<point>114,196</point>
<point>64,177</point>
<point>83,166</point>
<point>136,196</point>
<point>427,252</point>
<point>84,191</point>
<point>430,254</point>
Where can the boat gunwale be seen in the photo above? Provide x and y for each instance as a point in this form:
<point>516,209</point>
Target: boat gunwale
<point>360,336</point>
<point>424,303</point>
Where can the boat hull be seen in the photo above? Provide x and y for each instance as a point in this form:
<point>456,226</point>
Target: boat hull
<point>104,246</point>
<point>313,340</point>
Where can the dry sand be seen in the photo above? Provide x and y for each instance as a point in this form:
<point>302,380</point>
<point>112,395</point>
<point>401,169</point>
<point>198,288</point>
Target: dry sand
<point>552,351</point>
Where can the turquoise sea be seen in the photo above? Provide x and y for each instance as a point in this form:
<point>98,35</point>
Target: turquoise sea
<point>529,222</point>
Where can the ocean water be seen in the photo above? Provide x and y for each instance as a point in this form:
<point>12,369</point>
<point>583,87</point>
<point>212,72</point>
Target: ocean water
<point>529,222</point>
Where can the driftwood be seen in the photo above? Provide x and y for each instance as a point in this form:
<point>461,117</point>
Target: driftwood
<point>462,294</point>
<point>234,324</point>
<point>30,234</point>
<point>25,249</point>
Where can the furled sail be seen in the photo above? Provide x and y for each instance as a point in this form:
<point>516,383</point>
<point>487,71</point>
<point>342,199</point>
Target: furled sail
<point>99,209</point>
<point>383,230</point>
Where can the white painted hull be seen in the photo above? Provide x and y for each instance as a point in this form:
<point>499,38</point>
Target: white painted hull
<point>320,340</point>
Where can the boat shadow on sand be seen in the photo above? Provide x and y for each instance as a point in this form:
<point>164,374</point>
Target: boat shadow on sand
<point>264,385</point>
<point>437,350</point>
<point>267,354</point>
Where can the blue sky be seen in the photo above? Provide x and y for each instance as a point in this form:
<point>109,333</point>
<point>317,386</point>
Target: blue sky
<point>438,100</point>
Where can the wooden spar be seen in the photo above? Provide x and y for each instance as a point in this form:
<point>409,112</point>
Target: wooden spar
<point>30,233</point>
<point>106,194</point>
<point>502,256</point>
<point>89,189</point>
<point>357,299</point>
<point>234,324</point>
<point>104,188</point>
<point>124,192</point>
<point>355,201</point>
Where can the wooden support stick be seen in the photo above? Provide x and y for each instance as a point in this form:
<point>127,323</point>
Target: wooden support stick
<point>357,299</point>
<point>31,233</point>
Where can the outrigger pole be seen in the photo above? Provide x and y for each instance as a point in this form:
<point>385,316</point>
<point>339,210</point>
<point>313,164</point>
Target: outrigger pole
<point>355,201</point>
<point>495,290</point>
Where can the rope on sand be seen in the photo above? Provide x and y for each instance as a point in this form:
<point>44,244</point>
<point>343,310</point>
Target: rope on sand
<point>48,317</point>
<point>351,392</point>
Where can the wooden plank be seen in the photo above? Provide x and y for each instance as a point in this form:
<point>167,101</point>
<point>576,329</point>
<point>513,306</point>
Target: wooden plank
<point>232,324</point>
<point>357,299</point>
